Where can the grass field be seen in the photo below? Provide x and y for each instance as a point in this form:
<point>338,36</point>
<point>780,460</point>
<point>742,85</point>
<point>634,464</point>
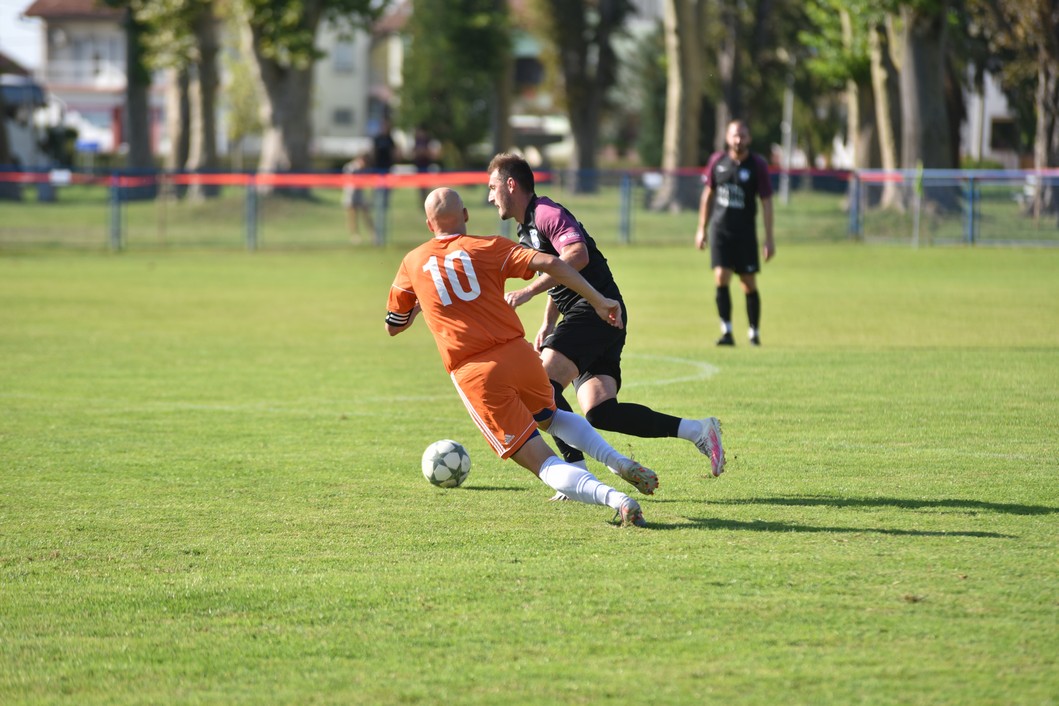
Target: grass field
<point>211,493</point>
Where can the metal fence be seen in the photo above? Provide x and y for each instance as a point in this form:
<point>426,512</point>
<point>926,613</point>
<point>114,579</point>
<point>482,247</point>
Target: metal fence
<point>124,210</point>
<point>939,207</point>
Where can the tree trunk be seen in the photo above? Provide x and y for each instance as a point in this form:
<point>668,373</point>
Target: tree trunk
<point>860,106</point>
<point>955,108</point>
<point>137,107</point>
<point>885,88</point>
<point>1046,134</point>
<point>731,103</point>
<point>584,124</point>
<point>202,99</point>
<point>867,150</point>
<point>503,135</point>
<point>284,113</point>
<point>683,22</point>
<point>927,142</point>
<point>926,122</point>
<point>588,71</point>
<point>286,96</point>
<point>581,32</point>
<point>177,118</point>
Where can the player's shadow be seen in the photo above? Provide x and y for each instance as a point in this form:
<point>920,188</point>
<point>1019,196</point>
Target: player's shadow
<point>967,506</point>
<point>711,523</point>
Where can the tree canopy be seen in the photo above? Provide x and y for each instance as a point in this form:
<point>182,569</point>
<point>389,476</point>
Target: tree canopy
<point>471,40</point>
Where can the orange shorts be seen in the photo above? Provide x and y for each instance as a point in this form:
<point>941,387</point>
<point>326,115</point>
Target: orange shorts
<point>502,389</point>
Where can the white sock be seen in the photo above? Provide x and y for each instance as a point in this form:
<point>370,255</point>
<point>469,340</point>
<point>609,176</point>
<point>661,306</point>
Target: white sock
<point>578,484</point>
<point>689,429</point>
<point>726,327</point>
<point>576,431</point>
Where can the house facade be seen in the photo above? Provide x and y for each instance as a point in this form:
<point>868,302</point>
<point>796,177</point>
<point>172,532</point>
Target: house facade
<point>341,117</point>
<point>83,68</point>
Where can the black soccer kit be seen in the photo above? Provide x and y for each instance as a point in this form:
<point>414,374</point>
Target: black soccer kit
<point>593,345</point>
<point>736,188</point>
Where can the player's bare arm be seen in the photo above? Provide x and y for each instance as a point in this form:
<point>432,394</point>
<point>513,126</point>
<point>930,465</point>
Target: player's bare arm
<point>704,217</point>
<point>575,255</point>
<point>769,248</point>
<point>561,272</point>
<point>551,318</point>
<point>397,318</point>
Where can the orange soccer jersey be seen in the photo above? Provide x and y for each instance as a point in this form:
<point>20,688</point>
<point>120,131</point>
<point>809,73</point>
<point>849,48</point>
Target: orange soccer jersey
<point>459,281</point>
<point>459,284</point>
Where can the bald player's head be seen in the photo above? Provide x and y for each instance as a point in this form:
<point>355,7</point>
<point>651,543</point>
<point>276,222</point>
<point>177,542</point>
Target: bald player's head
<point>446,214</point>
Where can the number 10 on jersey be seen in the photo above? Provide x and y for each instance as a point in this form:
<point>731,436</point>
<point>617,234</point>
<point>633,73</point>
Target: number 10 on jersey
<point>449,279</point>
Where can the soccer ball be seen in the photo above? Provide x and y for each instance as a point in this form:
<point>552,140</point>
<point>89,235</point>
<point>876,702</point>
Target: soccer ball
<point>446,463</point>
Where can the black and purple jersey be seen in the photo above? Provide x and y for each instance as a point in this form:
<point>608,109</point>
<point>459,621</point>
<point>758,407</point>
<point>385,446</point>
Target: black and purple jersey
<point>549,228</point>
<point>736,188</point>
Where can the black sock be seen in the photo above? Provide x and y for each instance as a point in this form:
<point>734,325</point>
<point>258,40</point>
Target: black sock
<point>569,453</point>
<point>753,309</point>
<point>724,304</point>
<point>632,419</point>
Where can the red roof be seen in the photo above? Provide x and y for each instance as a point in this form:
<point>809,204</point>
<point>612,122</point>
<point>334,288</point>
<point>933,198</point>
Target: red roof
<point>72,10</point>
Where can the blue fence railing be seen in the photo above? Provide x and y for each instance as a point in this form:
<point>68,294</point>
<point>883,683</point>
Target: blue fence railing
<point>920,207</point>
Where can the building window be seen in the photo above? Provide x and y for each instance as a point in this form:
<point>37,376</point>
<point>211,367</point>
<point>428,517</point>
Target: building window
<point>342,116</point>
<point>342,57</point>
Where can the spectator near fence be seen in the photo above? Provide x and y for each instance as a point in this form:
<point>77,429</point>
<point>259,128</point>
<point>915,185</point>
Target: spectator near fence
<point>356,198</point>
<point>384,154</point>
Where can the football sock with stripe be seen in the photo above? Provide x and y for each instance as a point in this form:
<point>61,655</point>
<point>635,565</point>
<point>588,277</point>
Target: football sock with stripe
<point>578,484</point>
<point>724,308</point>
<point>568,452</point>
<point>580,434</point>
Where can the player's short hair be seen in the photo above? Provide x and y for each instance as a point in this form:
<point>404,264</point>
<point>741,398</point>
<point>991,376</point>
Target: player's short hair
<point>512,166</point>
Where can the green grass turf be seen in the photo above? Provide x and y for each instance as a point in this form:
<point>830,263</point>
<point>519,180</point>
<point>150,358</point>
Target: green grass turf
<point>210,491</point>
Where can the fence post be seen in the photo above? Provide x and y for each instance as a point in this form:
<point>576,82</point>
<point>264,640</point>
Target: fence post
<point>917,202</point>
<point>382,208</point>
<point>625,224</point>
<point>969,220</point>
<point>853,229</point>
<point>115,212</point>
<point>251,213</point>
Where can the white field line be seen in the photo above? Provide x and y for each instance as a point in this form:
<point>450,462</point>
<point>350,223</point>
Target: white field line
<point>698,371</point>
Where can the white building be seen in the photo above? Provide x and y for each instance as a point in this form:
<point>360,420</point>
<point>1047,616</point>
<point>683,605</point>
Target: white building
<point>341,119</point>
<point>83,68</point>
<point>989,133</point>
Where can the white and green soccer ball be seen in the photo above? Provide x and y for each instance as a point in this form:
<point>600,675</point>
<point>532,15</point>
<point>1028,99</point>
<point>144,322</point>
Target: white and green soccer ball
<point>446,463</point>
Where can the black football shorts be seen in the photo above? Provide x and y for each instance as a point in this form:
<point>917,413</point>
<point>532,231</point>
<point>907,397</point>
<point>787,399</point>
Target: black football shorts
<point>591,343</point>
<point>738,253</point>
